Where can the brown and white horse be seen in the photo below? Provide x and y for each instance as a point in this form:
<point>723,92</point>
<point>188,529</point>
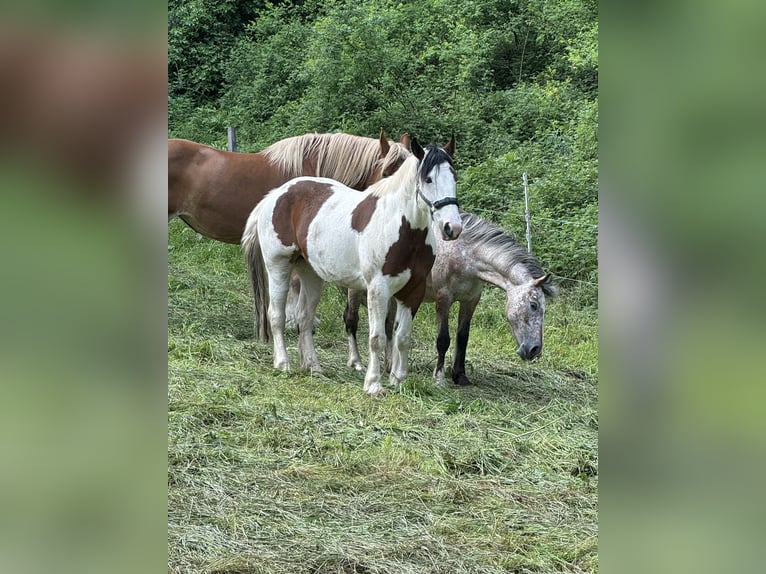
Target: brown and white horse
<point>214,191</point>
<point>381,240</point>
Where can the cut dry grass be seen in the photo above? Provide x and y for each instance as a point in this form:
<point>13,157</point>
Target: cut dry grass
<point>273,472</point>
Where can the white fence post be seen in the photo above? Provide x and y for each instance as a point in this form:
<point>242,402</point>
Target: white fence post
<point>232,137</point>
<point>526,212</point>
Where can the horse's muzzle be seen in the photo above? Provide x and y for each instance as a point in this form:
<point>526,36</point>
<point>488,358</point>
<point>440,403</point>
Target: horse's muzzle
<point>528,352</point>
<point>450,232</point>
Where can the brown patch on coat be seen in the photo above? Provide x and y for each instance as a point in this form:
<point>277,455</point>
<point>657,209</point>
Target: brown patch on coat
<point>410,252</point>
<point>295,209</point>
<point>362,213</point>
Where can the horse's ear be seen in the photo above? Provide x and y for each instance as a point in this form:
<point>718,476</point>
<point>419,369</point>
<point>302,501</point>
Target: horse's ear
<point>384,147</point>
<point>450,147</point>
<point>544,279</point>
<point>417,150</point>
<point>405,141</point>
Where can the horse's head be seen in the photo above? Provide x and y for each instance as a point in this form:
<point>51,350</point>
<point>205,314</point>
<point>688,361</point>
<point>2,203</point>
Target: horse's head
<point>390,159</point>
<point>525,311</point>
<point>437,185</point>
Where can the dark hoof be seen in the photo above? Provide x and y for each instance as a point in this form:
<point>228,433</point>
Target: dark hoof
<point>461,380</point>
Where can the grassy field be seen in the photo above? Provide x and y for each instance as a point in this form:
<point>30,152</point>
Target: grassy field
<point>287,473</point>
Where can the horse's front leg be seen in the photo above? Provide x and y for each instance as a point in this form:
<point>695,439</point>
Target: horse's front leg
<point>401,343</point>
<point>443,305</point>
<point>351,320</point>
<point>467,309</point>
<point>377,305</point>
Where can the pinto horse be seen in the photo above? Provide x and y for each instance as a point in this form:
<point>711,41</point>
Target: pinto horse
<point>214,191</point>
<point>484,254</point>
<point>381,240</point>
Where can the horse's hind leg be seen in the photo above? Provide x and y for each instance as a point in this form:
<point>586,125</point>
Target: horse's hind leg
<point>463,330</point>
<point>291,306</point>
<point>279,284</point>
<point>401,344</point>
<point>390,319</point>
<point>311,292</point>
<point>351,320</point>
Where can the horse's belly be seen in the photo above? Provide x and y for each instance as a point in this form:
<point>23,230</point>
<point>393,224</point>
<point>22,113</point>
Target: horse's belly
<point>334,257</point>
<point>349,278</point>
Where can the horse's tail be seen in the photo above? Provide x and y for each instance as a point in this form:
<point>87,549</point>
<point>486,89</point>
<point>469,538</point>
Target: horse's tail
<point>251,247</point>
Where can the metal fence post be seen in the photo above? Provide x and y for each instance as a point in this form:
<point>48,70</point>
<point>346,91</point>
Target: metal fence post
<point>232,137</point>
<point>526,212</point>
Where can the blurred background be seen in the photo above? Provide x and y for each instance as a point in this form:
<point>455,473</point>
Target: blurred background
<point>681,198</point>
<point>82,366</point>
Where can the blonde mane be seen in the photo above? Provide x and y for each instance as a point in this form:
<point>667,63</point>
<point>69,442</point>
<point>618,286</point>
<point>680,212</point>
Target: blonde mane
<point>346,158</point>
<point>397,153</point>
<point>405,176</point>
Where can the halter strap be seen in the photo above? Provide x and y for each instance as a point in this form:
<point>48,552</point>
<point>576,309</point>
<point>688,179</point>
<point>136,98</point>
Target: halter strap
<point>438,204</point>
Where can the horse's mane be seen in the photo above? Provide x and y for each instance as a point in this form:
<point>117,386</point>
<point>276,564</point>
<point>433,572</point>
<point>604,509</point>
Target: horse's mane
<point>397,153</point>
<point>435,155</point>
<point>411,169</point>
<point>406,175</point>
<point>502,248</point>
<point>346,158</point>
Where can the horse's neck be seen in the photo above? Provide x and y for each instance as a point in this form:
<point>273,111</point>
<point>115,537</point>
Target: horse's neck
<point>489,269</point>
<point>405,202</point>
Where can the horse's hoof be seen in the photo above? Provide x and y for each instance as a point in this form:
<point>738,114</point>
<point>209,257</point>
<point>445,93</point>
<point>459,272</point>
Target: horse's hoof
<point>439,379</point>
<point>356,365</point>
<point>379,394</point>
<point>375,389</point>
<point>282,366</point>
<point>395,381</point>
<point>461,380</point>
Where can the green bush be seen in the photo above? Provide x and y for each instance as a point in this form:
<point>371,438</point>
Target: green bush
<point>515,82</point>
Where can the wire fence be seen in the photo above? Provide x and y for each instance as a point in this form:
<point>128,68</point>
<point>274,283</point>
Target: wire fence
<point>505,214</point>
<point>528,217</point>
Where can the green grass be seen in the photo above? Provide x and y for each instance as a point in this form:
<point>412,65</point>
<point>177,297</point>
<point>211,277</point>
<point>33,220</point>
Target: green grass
<point>284,472</point>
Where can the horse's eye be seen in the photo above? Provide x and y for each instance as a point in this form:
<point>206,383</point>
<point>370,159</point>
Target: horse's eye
<point>534,306</point>
<point>428,180</point>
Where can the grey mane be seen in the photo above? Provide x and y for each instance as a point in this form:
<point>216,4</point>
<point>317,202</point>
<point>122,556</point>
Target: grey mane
<point>502,248</point>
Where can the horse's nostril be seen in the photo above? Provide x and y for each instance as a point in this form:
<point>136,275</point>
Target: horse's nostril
<point>529,353</point>
<point>447,230</point>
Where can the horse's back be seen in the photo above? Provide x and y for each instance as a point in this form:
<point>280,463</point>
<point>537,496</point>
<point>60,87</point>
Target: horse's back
<point>310,218</point>
<point>454,271</point>
<point>214,190</point>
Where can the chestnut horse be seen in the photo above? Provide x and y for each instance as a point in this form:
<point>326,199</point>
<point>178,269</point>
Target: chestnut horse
<point>381,240</point>
<point>214,191</point>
